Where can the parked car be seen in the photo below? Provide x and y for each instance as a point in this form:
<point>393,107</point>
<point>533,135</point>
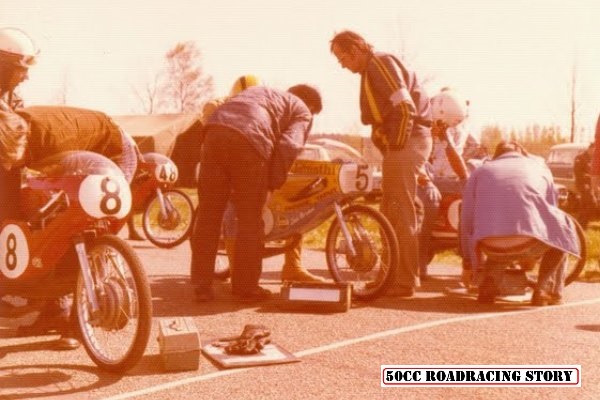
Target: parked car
<point>560,160</point>
<point>314,152</point>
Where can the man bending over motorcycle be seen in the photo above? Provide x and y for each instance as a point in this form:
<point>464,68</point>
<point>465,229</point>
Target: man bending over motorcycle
<point>31,134</point>
<point>512,198</point>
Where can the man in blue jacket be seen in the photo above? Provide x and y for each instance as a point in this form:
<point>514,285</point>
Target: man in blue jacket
<point>250,143</point>
<point>511,198</point>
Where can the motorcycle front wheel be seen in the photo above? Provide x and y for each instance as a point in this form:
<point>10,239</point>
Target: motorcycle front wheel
<point>116,336</point>
<point>174,228</point>
<point>375,257</point>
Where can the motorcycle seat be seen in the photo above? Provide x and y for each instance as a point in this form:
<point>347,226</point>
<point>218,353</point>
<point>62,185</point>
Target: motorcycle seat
<point>513,244</point>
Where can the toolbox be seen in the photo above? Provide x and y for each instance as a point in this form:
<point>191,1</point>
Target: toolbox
<point>316,297</point>
<point>179,344</point>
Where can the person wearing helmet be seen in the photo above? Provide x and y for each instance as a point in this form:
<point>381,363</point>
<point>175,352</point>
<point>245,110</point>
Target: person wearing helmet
<point>17,54</point>
<point>240,84</point>
<point>396,106</point>
<point>250,143</point>
<point>33,133</point>
<point>450,139</point>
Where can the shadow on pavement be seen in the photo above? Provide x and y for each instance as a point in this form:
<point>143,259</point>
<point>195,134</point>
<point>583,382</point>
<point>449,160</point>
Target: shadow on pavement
<point>590,328</point>
<point>33,346</point>
<point>43,380</point>
<point>431,297</point>
<point>173,295</point>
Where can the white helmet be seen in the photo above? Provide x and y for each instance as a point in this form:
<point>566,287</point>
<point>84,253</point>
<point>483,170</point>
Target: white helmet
<point>449,107</point>
<point>17,47</point>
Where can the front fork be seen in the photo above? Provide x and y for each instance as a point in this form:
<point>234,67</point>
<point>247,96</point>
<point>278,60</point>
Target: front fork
<point>340,217</point>
<point>86,274</point>
<point>164,213</point>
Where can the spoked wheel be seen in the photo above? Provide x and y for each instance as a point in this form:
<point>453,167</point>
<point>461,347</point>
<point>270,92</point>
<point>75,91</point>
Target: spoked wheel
<point>137,226</point>
<point>115,337</point>
<point>576,265</point>
<point>174,227</point>
<point>375,257</point>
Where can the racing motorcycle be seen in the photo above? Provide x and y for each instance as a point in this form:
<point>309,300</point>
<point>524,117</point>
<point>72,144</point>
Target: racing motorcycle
<point>361,246</point>
<point>166,213</point>
<point>65,246</point>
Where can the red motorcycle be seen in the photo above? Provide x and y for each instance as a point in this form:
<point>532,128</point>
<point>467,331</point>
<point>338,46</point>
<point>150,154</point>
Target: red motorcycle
<point>166,213</point>
<point>71,203</point>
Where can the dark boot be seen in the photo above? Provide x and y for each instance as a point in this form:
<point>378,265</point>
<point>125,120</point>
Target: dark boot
<point>54,318</point>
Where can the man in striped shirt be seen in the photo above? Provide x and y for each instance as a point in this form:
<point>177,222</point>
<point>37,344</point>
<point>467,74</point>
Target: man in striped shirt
<point>398,110</point>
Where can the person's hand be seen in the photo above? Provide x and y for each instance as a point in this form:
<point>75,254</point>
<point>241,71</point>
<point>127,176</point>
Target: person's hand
<point>422,179</point>
<point>439,129</point>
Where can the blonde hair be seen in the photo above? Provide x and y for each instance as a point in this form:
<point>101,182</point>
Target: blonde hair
<point>13,137</point>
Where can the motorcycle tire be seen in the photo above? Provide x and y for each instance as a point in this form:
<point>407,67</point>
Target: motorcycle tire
<point>376,260</point>
<point>116,338</point>
<point>177,228</point>
<point>576,266</point>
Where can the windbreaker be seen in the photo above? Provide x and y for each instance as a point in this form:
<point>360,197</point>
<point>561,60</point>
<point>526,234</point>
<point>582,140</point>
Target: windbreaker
<point>393,102</point>
<point>276,123</point>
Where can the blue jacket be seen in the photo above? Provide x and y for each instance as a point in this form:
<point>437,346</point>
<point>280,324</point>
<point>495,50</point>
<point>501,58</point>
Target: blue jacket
<point>276,123</point>
<point>514,195</point>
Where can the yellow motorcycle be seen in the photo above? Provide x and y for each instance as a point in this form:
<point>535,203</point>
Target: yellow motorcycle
<point>361,247</point>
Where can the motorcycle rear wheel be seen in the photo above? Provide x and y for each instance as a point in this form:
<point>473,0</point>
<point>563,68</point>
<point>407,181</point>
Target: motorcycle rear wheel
<point>117,337</point>
<point>575,265</point>
<point>176,228</point>
<point>377,256</point>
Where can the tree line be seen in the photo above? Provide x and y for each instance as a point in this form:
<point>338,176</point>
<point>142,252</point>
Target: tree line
<point>537,139</point>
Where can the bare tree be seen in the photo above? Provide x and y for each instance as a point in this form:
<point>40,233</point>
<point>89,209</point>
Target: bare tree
<point>186,84</point>
<point>149,94</point>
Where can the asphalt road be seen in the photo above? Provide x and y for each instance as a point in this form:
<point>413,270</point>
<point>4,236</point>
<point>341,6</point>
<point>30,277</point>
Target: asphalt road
<point>340,353</point>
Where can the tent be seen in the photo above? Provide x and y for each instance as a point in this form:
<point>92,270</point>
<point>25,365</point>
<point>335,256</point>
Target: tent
<point>174,135</point>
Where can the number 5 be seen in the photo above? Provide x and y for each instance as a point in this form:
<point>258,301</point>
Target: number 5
<point>362,179</point>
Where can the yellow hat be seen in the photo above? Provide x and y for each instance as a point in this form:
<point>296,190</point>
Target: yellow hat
<point>244,82</point>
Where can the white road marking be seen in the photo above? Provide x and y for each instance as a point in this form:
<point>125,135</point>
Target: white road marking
<point>345,343</point>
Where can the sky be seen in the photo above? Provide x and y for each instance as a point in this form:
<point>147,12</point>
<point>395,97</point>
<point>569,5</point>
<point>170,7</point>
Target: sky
<point>513,59</point>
